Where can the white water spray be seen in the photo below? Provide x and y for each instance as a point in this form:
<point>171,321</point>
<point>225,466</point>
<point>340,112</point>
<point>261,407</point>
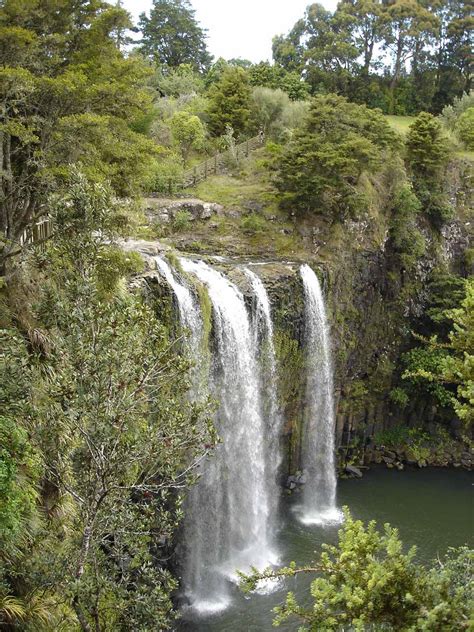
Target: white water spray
<point>229,515</point>
<point>318,452</point>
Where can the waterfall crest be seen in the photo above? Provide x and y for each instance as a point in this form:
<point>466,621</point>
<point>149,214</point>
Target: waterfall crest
<point>229,511</point>
<point>318,451</point>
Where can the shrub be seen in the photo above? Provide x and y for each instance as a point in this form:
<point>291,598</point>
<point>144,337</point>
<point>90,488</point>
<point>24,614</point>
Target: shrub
<point>182,221</point>
<point>451,113</point>
<point>465,128</point>
<point>253,223</point>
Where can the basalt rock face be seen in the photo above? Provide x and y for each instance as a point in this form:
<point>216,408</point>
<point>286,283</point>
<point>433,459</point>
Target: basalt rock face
<point>371,305</point>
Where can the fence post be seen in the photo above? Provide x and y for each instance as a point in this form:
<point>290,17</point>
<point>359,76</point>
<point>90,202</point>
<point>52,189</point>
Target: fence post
<point>215,164</point>
<point>194,176</point>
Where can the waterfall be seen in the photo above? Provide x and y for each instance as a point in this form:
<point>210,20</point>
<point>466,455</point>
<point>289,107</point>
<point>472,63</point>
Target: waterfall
<point>319,496</point>
<point>263,333</point>
<point>188,307</point>
<point>229,511</point>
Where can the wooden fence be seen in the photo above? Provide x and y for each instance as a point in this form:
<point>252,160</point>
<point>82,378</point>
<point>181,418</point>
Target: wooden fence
<point>209,167</point>
<point>38,233</point>
<point>41,230</point>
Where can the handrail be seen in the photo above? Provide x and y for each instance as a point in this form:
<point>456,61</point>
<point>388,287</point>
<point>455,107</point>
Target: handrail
<point>42,229</point>
<point>211,166</point>
<point>38,232</point>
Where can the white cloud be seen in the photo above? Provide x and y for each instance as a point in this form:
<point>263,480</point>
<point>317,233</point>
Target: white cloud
<point>241,28</point>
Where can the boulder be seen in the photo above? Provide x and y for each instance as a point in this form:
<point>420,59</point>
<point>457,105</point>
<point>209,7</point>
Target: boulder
<point>353,471</point>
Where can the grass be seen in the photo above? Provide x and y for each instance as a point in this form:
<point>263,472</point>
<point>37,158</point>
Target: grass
<point>400,123</point>
<point>247,186</point>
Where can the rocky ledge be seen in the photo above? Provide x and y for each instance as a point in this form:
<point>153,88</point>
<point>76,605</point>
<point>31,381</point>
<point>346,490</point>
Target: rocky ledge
<point>458,455</point>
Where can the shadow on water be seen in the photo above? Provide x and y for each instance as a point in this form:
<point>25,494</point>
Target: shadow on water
<point>432,509</point>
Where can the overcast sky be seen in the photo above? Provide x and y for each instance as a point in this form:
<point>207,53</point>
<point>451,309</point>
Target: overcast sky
<point>241,28</point>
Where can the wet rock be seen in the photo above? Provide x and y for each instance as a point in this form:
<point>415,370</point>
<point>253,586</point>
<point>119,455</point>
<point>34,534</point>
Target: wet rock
<point>165,210</point>
<point>353,471</point>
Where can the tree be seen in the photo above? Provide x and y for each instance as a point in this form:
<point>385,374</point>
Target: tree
<point>171,36</point>
<point>368,582</point>
<point>465,128</point>
<point>442,364</point>
<point>458,368</point>
<point>266,75</point>
<point>62,71</point>
<point>367,29</point>
<point>188,132</point>
<point>406,239</point>
<point>288,50</point>
<point>229,101</point>
<point>410,25</point>
<point>427,154</point>
<point>320,169</point>
<point>267,110</point>
<point>117,438</point>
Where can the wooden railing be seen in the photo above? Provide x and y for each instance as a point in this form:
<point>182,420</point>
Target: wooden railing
<point>209,167</point>
<point>38,232</point>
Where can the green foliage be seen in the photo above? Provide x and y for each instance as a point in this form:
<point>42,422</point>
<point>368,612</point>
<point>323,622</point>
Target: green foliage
<point>423,366</point>
<point>446,369</point>
<point>188,132</point>
<point>427,149</point>
<point>402,56</point>
<point>368,582</point>
<point>253,223</point>
<point>171,36</point>
<point>273,112</point>
<point>115,432</point>
<point>67,94</point>
<point>182,221</point>
<point>406,239</point>
<point>451,113</point>
<point>20,466</point>
<point>179,81</point>
<point>399,397</point>
<point>229,102</point>
<point>320,170</point>
<point>275,77</point>
<point>458,368</point>
<point>427,153</point>
<point>465,128</point>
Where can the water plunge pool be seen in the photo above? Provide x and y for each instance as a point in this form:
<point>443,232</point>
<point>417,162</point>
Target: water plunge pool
<point>432,508</point>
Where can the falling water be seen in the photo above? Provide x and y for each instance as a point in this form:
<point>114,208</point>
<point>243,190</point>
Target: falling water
<point>188,306</point>
<point>319,496</point>
<point>229,513</point>
<point>263,332</point>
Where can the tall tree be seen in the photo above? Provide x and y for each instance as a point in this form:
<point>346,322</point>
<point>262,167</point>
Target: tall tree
<point>368,28</point>
<point>61,71</point>
<point>409,24</point>
<point>230,101</point>
<point>320,169</point>
<point>330,54</point>
<point>171,36</point>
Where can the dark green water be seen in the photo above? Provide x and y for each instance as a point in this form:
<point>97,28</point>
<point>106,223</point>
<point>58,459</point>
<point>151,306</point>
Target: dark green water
<point>432,508</point>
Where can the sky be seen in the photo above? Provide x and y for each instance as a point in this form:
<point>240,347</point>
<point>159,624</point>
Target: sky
<point>241,28</point>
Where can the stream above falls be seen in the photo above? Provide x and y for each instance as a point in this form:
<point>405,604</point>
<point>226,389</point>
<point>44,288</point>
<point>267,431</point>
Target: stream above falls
<point>432,508</point>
